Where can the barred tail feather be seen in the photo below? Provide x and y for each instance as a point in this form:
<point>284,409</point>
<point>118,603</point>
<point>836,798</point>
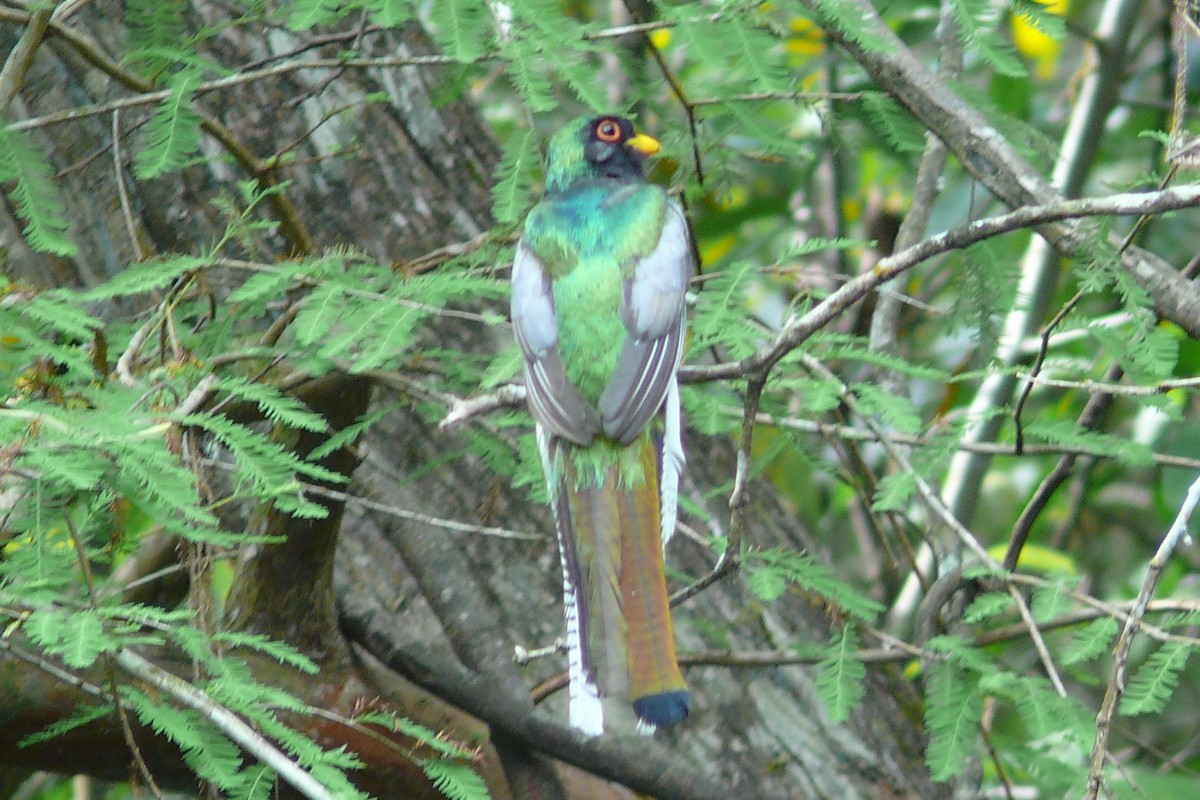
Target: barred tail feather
<point>585,711</point>
<point>673,461</point>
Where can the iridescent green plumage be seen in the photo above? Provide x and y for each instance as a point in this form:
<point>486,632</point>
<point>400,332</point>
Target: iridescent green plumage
<point>598,289</point>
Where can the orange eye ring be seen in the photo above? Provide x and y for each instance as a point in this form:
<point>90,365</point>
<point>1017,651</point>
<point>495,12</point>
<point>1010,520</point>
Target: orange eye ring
<point>608,130</point>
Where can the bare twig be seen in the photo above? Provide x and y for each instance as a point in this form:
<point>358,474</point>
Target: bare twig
<point>508,396</point>
<point>1089,419</point>
<point>123,194</point>
<point>739,498</point>
<point>1116,681</point>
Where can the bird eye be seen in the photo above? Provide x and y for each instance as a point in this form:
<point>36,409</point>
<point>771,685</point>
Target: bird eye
<point>607,130</point>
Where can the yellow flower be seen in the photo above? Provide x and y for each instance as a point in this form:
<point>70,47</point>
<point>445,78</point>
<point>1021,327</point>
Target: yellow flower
<point>1034,44</point>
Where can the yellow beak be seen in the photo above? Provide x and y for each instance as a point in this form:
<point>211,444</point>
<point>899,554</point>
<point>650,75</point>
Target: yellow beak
<point>646,145</point>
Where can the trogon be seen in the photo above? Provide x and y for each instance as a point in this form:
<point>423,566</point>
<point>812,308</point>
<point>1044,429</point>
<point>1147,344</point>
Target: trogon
<point>598,291</point>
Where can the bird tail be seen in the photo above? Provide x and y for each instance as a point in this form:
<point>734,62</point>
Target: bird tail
<point>620,641</point>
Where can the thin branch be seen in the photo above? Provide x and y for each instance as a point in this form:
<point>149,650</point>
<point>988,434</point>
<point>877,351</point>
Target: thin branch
<point>1089,419</point>
<point>16,66</point>
<point>52,669</point>
<point>1116,682</point>
<point>800,329</point>
<point>739,498</point>
<point>228,722</point>
<point>804,97</point>
<point>85,566</point>
<point>510,395</point>
<point>123,194</point>
<point>939,508</point>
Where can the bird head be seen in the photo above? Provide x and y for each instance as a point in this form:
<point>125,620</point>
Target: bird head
<point>598,147</point>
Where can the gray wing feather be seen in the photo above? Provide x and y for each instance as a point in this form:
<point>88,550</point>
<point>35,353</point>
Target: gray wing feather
<point>653,312</point>
<point>553,399</point>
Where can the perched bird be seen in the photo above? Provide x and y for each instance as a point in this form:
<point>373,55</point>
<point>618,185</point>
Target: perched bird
<point>598,287</point>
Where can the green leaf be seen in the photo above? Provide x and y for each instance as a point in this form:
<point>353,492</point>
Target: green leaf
<point>898,128</point>
<point>307,14</point>
<point>83,640</point>
<point>276,406</point>
<point>526,70</point>
<point>512,194</point>
<point>282,652</point>
<point>455,780</point>
<point>978,22</point>
<point>390,13</point>
<point>987,606</point>
<point>897,411</point>
<point>841,675</point>
<point>462,27</point>
<point>158,38</point>
<point>894,492</point>
<point>1053,598</point>
<point>173,134</point>
<point>770,571</point>
<point>1091,642</point>
<point>36,197</point>
<point>836,14</point>
<point>953,711</point>
<point>81,716</point>
<point>1152,685</point>
<point>148,276</point>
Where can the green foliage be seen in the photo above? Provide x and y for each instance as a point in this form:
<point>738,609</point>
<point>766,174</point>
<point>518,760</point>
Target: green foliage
<point>771,571</point>
<point>35,194</point>
<point>897,127</point>
<point>448,770</point>
<point>512,194</point>
<point>157,35</point>
<point>1091,642</point>
<point>1151,686</point>
<point>462,28</point>
<point>987,290</point>
<point>841,675</point>
<point>978,21</point>
<point>173,136</point>
<point>987,606</point>
<point>1053,598</point>
<point>953,710</point>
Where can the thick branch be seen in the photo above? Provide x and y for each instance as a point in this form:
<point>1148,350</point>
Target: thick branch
<point>992,160</point>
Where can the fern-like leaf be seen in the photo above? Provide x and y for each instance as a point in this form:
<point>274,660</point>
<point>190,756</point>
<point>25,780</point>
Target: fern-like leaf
<point>1154,682</point>
<point>462,27</point>
<point>37,198</point>
<point>899,129</point>
<point>173,135</point>
<point>987,606</point>
<point>513,191</point>
<point>156,30</point>
<point>770,572</point>
<point>841,675</point>
<point>306,14</point>
<point>456,780</point>
<point>978,22</point>
<point>277,406</point>
<point>953,710</point>
<point>1091,642</point>
<point>81,716</point>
